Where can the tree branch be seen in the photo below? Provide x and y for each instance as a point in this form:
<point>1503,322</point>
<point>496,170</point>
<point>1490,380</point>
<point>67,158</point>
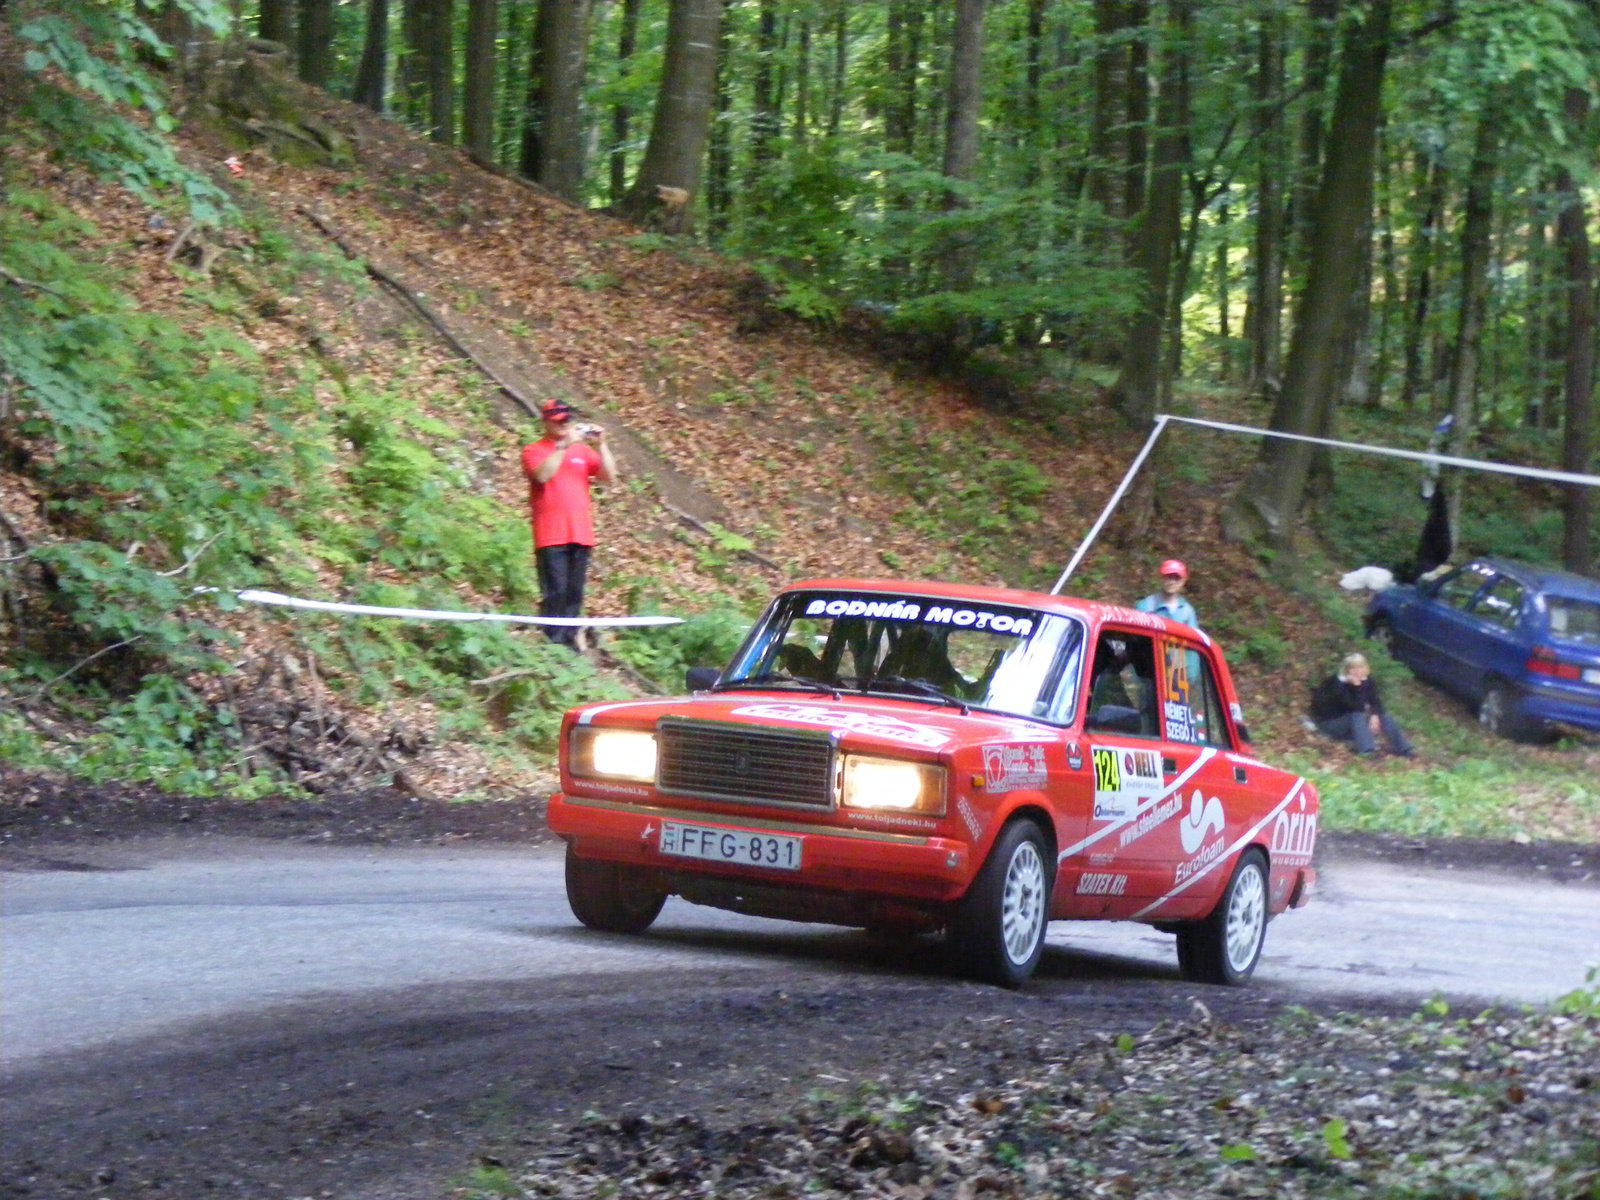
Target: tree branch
<point>34,696</point>
<point>19,281</point>
<point>427,314</point>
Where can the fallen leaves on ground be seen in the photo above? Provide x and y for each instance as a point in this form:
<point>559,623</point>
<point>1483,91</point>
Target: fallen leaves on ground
<point>1303,1106</point>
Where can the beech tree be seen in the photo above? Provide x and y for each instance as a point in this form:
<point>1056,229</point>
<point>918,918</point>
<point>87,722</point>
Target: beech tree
<point>669,176</point>
<point>477,97</point>
<point>553,136</point>
<point>1269,501</point>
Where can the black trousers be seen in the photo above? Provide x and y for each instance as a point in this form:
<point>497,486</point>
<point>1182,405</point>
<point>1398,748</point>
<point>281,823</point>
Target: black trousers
<point>562,570</point>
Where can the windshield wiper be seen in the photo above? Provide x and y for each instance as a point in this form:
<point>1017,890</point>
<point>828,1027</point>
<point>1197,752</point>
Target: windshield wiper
<point>917,687</point>
<point>779,677</point>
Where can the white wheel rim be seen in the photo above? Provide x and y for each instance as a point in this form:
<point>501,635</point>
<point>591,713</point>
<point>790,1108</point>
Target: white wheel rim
<point>1489,710</point>
<point>1022,905</point>
<point>1247,916</point>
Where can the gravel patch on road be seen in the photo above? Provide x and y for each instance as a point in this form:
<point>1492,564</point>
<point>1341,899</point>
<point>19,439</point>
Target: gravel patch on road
<point>1306,1105</point>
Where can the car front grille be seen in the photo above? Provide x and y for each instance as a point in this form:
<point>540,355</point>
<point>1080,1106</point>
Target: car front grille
<point>745,764</point>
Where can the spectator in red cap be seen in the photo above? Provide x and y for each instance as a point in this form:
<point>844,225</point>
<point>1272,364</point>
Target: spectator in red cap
<point>1169,601</point>
<point>559,467</point>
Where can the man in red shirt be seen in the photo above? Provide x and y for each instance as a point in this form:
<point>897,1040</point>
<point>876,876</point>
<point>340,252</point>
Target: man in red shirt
<point>559,467</point>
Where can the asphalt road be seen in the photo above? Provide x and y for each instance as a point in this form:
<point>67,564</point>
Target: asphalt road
<point>140,938</point>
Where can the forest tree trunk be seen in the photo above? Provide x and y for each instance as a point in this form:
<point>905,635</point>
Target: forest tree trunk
<point>1323,17</point>
<point>1033,107</point>
<point>764,93</point>
<point>1136,165</point>
<point>964,99</point>
<point>669,177</point>
<point>552,139</point>
<point>441,70</point>
<point>841,62</point>
<point>477,99</point>
<point>622,114</point>
<point>275,21</point>
<point>1419,283</point>
<point>1110,65</point>
<point>1138,388</point>
<point>314,57</point>
<point>1266,279</point>
<point>719,158</point>
<point>1476,227</point>
<point>373,69</point>
<point>1268,503</point>
<point>1577,443</point>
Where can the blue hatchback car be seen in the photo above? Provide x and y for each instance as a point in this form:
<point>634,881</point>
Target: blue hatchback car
<point>1520,642</point>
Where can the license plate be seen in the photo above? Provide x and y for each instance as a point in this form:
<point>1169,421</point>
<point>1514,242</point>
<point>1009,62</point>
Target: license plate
<point>731,845</point>
<point>1591,674</point>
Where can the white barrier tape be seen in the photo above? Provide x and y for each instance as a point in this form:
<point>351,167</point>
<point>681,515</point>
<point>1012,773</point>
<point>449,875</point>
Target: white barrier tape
<point>1445,460</point>
<point>430,614</point>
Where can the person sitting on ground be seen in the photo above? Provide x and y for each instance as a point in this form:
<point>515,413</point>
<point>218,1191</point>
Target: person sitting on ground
<point>1169,601</point>
<point>1346,707</point>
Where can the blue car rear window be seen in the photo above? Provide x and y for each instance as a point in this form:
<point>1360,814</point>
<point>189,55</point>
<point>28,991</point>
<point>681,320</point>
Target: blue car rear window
<point>1574,620</point>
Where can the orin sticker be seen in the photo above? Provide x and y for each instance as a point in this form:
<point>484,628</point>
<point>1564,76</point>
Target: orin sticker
<point>1074,756</point>
<point>1123,780</point>
<point>1006,768</point>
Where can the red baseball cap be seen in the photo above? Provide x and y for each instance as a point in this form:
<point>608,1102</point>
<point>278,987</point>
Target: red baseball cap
<point>1174,566</point>
<point>555,409</point>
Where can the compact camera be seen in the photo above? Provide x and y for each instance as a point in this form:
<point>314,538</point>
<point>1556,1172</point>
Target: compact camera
<point>586,430</point>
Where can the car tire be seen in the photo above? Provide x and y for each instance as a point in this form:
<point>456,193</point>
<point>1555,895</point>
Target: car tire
<point>1381,630</point>
<point>1499,714</point>
<point>1225,947</point>
<point>997,933</point>
<point>611,896</point>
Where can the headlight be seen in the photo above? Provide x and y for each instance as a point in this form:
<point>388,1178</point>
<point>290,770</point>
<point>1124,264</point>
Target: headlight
<point>893,785</point>
<point>613,754</point>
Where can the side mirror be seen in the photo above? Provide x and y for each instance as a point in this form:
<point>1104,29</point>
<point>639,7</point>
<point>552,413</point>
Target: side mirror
<point>1244,731</point>
<point>702,679</point>
<point>1116,718</point>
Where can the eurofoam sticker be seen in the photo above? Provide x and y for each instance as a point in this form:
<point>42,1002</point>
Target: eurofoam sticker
<point>842,719</point>
<point>1007,768</point>
<point>1123,780</point>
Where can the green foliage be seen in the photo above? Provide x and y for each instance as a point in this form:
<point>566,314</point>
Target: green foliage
<point>1333,1138</point>
<point>86,78</point>
<point>1582,1002</point>
<point>977,493</point>
<point>175,463</point>
<point>829,230</point>
<point>664,653</point>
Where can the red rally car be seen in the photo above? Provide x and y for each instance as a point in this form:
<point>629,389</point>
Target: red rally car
<point>923,756</point>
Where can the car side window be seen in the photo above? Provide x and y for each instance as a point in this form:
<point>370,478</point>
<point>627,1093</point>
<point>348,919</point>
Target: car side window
<point>1193,707</point>
<point>1458,590</point>
<point>1502,603</point>
<point>1122,691</point>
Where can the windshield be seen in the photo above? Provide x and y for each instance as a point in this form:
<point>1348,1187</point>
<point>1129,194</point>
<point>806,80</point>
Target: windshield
<point>1574,620</point>
<point>1011,660</point>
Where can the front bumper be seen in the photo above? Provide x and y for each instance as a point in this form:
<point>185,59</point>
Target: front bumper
<point>835,858</point>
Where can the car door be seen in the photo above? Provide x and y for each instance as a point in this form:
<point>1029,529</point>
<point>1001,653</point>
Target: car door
<point>1496,647</point>
<point>1441,627</point>
<point>1122,740</point>
<point>1209,786</point>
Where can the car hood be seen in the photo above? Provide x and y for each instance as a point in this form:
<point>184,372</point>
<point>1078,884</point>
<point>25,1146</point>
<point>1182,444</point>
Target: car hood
<point>875,723</point>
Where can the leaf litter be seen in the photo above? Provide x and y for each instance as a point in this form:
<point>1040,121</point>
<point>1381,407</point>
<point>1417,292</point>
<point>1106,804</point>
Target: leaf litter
<point>1306,1105</point>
